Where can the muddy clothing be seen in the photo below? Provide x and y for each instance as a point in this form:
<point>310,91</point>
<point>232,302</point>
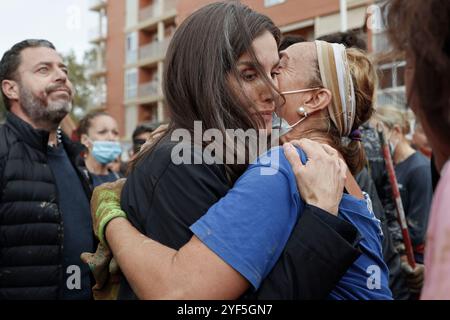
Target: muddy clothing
<point>31,221</point>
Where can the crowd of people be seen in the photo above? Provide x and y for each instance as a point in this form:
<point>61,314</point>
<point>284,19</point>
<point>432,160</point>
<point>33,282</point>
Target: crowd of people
<point>347,201</point>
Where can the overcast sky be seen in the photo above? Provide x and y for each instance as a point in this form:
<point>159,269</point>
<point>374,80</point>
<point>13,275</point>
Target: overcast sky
<point>66,23</point>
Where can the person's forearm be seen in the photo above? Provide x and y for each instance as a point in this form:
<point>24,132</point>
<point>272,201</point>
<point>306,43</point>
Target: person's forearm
<point>146,264</point>
<point>155,271</point>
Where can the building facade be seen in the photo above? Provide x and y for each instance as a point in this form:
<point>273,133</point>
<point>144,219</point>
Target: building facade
<point>308,18</point>
<point>149,26</point>
<point>107,67</point>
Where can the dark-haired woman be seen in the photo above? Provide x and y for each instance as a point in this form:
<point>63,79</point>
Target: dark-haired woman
<point>99,133</point>
<point>229,84</point>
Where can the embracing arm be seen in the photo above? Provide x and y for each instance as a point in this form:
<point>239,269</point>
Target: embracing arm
<point>328,244</point>
<point>155,271</point>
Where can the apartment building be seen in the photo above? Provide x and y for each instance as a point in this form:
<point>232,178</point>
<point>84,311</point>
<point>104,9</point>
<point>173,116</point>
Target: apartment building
<point>108,39</point>
<point>308,18</point>
<point>130,41</point>
<point>149,26</point>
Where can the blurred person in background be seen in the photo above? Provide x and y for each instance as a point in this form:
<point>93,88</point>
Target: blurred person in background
<point>413,173</point>
<point>141,135</point>
<point>99,133</point>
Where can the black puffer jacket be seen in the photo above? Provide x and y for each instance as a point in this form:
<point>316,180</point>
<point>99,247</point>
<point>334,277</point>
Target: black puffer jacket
<point>31,230</point>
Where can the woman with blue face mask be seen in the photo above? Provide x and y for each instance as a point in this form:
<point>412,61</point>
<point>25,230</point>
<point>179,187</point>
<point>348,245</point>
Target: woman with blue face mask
<point>99,133</point>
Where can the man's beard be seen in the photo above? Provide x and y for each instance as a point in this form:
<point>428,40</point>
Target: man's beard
<point>47,116</point>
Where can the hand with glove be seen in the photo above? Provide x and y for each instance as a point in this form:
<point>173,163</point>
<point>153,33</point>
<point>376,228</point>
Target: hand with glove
<point>106,272</point>
<point>105,206</point>
<point>414,277</point>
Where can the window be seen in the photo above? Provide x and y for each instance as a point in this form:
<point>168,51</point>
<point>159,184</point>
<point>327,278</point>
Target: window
<point>392,84</point>
<point>269,3</point>
<point>132,41</point>
<point>392,74</point>
<point>131,47</point>
<point>131,84</point>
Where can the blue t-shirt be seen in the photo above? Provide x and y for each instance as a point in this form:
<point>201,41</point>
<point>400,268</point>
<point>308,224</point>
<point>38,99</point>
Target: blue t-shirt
<point>78,236</point>
<point>249,228</point>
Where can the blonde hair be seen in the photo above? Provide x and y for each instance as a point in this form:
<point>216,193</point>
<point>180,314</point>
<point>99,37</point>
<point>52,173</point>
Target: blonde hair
<point>392,116</point>
<point>365,81</point>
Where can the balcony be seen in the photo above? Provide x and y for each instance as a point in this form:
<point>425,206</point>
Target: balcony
<point>149,12</point>
<point>98,99</point>
<point>97,5</point>
<point>154,50</point>
<point>148,92</point>
<point>97,70</point>
<point>148,54</point>
<point>148,89</point>
<point>158,11</point>
<point>97,35</point>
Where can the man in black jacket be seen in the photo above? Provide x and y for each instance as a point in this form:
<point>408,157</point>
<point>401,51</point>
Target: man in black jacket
<point>44,198</point>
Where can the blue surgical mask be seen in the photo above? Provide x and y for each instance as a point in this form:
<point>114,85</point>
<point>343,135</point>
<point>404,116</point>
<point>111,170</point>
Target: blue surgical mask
<point>106,151</point>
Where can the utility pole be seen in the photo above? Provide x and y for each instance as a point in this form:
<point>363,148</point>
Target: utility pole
<point>343,11</point>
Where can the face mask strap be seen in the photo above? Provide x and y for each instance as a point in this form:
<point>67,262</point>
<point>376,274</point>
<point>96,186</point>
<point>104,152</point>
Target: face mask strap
<point>300,91</point>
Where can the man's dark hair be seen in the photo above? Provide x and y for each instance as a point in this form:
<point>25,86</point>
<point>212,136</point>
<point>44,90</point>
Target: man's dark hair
<point>349,39</point>
<point>289,40</point>
<point>144,128</point>
<point>11,61</point>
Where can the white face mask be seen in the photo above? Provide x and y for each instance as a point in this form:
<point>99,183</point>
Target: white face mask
<point>392,145</point>
<point>280,123</point>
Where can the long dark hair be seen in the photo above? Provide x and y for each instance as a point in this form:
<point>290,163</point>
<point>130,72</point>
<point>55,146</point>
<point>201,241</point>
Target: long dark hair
<point>200,58</point>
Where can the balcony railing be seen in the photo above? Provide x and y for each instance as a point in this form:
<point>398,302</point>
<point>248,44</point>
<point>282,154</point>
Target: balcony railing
<point>156,9</point>
<point>97,4</point>
<point>96,69</point>
<point>99,99</point>
<point>148,89</point>
<point>153,51</point>
<point>95,34</point>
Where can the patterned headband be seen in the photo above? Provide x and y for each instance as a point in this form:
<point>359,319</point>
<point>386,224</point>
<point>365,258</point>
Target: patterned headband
<point>336,77</point>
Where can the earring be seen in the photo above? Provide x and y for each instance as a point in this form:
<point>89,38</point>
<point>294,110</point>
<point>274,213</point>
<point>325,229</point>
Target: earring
<point>301,111</point>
